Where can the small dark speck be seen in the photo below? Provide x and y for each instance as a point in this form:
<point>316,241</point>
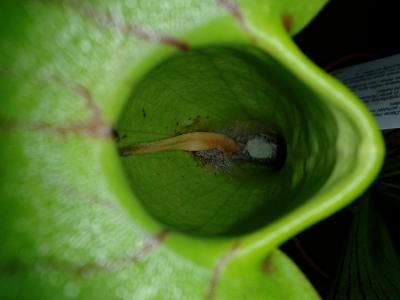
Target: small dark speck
<point>115,135</point>
<point>158,174</point>
<point>189,118</point>
<point>183,176</point>
<point>144,113</point>
<point>207,117</point>
<point>177,123</point>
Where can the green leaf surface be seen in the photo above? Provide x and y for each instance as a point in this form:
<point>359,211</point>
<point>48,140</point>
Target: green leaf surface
<point>74,226</point>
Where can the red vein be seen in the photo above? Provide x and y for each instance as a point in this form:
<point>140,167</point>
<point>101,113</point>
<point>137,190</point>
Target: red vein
<point>96,126</point>
<point>140,255</point>
<point>151,243</point>
<point>234,10</point>
<point>84,197</point>
<point>85,270</point>
<point>105,19</point>
<point>218,269</point>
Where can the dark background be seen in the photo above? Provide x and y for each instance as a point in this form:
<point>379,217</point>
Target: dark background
<point>352,27</point>
<point>346,32</point>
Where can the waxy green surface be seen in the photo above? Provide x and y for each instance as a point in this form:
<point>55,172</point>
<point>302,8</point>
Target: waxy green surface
<point>71,225</point>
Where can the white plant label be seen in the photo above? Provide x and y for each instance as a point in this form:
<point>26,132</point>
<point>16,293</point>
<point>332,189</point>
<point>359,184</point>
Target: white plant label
<point>377,83</point>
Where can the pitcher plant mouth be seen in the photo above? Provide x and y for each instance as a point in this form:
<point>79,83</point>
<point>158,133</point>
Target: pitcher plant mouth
<point>234,124</point>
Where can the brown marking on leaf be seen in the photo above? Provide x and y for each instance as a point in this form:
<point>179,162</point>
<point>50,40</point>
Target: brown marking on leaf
<point>287,21</point>
<point>83,196</point>
<point>266,265</point>
<point>218,269</point>
<point>96,126</point>
<point>105,19</point>
<point>92,268</point>
<point>60,130</point>
<point>234,10</point>
<point>169,41</point>
<point>72,194</point>
<point>89,269</point>
<point>140,255</point>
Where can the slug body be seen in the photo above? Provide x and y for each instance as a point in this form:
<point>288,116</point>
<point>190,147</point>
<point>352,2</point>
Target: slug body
<point>219,150</point>
<point>195,141</point>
